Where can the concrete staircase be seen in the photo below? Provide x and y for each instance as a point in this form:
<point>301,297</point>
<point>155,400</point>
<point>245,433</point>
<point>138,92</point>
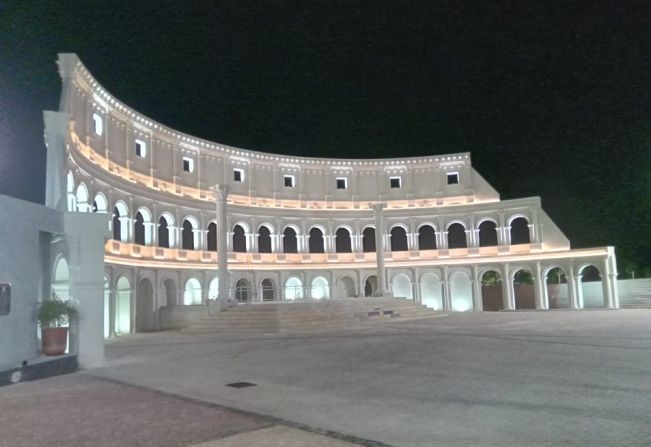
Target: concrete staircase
<point>635,294</point>
<point>310,315</point>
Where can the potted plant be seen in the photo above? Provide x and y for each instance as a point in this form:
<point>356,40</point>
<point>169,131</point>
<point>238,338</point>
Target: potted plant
<point>54,316</point>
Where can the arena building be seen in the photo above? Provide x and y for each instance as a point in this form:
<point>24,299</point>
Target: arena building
<point>428,229</point>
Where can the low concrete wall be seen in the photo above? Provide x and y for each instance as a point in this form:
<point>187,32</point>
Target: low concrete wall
<point>179,317</point>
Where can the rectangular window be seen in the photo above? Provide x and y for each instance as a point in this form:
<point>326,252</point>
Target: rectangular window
<point>453,178</point>
<point>289,181</point>
<point>98,124</point>
<point>396,182</point>
<point>342,183</point>
<point>238,175</point>
<point>141,148</point>
<point>188,164</point>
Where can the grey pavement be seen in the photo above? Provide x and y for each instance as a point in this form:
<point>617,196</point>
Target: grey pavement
<point>482,379</point>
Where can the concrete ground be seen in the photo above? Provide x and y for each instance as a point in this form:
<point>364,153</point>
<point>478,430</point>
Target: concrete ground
<point>481,379</point>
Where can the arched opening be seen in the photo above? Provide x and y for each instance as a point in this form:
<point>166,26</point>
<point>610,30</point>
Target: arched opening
<point>368,240</point>
<point>342,241</point>
<point>491,291</point>
<point>107,308</point>
<point>398,239</point>
<point>460,292</point>
<point>165,235</point>
<point>293,288</point>
<point>268,290</point>
<point>401,287</point>
<point>100,204</point>
<point>70,183</point>
<point>487,234</point>
<point>290,244</point>
<point>431,291</point>
<point>592,291</point>
<point>520,231</point>
<point>82,199</point>
<point>192,292</point>
<point>145,306</point>
<point>315,241</point>
<point>243,290</point>
<point>426,238</point>
<point>523,290</point>
<point>213,289</point>
<point>123,307</point>
<point>370,286</point>
<point>117,225</point>
<point>556,287</point>
<point>264,239</point>
<point>187,235</point>
<point>139,230</point>
<point>346,287</point>
<point>457,236</point>
<point>239,239</point>
<point>212,237</point>
<point>320,288</point>
<point>120,215</point>
<point>169,288</point>
<point>60,280</point>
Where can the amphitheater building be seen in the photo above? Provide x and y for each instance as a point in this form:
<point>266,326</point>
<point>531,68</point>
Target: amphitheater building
<point>190,220</point>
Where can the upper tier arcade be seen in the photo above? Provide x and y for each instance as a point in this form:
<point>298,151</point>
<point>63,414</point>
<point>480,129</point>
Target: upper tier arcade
<point>134,149</point>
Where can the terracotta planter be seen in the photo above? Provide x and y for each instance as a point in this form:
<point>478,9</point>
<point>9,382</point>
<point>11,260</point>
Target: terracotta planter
<point>55,340</point>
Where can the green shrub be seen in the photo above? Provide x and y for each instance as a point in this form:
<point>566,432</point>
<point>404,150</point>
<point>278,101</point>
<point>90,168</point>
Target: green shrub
<point>55,312</point>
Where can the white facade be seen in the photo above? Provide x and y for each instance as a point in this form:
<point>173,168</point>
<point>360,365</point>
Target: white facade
<point>296,227</point>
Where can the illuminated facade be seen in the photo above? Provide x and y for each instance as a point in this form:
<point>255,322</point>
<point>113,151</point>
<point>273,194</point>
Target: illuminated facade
<point>298,227</point>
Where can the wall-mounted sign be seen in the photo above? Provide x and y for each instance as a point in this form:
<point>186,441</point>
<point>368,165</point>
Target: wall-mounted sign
<point>5,298</point>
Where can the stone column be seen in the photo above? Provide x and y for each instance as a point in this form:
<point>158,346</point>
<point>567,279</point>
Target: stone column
<point>379,248</point>
<point>539,289</point>
<point>507,289</point>
<point>223,300</point>
<point>476,281</point>
<point>571,282</point>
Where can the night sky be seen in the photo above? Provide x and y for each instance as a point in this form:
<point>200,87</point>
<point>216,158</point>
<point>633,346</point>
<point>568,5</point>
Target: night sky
<point>553,99</point>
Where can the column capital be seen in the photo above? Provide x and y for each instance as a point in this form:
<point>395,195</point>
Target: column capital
<point>378,206</point>
<point>221,191</point>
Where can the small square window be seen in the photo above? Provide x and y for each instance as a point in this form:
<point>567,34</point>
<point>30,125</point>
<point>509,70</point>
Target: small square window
<point>238,175</point>
<point>98,124</point>
<point>396,182</point>
<point>188,164</point>
<point>141,148</point>
<point>342,183</point>
<point>289,181</point>
<point>453,178</point>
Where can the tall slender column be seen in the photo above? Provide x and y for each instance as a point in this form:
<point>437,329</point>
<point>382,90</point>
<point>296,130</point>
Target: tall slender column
<point>476,282</point>
<point>379,247</point>
<point>222,247</point>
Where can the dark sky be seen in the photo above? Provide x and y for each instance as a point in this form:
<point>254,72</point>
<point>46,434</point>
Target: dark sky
<point>553,99</point>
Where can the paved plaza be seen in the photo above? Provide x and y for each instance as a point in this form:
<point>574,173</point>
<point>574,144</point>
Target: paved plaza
<point>481,379</point>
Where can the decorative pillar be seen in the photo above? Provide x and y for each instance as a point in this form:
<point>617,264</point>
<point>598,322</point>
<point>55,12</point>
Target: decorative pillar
<point>539,289</point>
<point>125,229</point>
<point>507,289</point>
<point>379,247</point>
<point>571,283</point>
<point>447,292</point>
<point>223,299</point>
<point>476,281</point>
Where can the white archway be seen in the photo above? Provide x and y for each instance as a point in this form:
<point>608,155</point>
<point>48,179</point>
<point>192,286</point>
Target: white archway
<point>460,291</point>
<point>192,292</point>
<point>123,307</point>
<point>293,289</point>
<point>401,286</point>
<point>431,292</point>
<point>320,288</point>
<point>213,289</point>
<point>60,279</point>
<point>82,199</point>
